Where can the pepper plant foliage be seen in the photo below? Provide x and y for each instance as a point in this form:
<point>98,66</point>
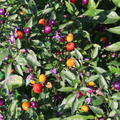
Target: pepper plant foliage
<point>38,37</point>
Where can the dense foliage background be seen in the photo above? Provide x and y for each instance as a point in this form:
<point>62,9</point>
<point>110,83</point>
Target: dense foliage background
<point>59,60</point>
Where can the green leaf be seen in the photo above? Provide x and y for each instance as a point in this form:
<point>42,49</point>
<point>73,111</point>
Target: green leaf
<point>14,81</point>
<point>3,53</point>
<point>13,17</point>
<point>29,23</point>
<point>92,78</point>
<point>20,60</point>
<point>66,89</point>
<point>62,26</point>
<point>112,113</point>
<point>74,106</point>
<point>113,69</point>
<point>18,69</point>
<point>115,30</point>
<point>92,12</point>
<point>113,104</point>
<point>80,117</point>
<point>8,70</point>
<point>55,119</point>
<point>33,7</point>
<point>95,51</point>
<point>46,11</point>
<point>114,47</point>
<point>13,107</point>
<point>28,80</point>
<point>32,60</point>
<point>68,74</point>
<point>112,17</point>
<point>97,110</point>
<point>86,35</point>
<point>2,75</point>
<point>69,7</point>
<point>97,100</point>
<point>116,2</point>
<point>91,4</point>
<point>78,54</point>
<point>84,88</point>
<point>18,43</point>
<point>67,102</point>
<point>102,82</point>
<point>116,96</point>
<point>100,70</point>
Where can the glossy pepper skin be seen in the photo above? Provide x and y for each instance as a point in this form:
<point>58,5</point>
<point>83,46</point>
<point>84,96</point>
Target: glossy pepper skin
<point>117,85</point>
<point>47,29</point>
<point>2,11</point>
<point>85,2</point>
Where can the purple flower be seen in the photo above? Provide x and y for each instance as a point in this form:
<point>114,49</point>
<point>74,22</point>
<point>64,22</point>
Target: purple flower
<point>88,100</point>
<point>103,56</point>
<point>92,90</point>
<point>58,77</point>
<point>101,119</point>
<point>12,39</point>
<point>24,50</point>
<point>30,76</point>
<point>30,70</point>
<point>59,36</point>
<point>7,14</point>
<point>6,58</point>
<point>53,71</point>
<point>87,59</point>
<point>81,74</point>
<point>1,117</point>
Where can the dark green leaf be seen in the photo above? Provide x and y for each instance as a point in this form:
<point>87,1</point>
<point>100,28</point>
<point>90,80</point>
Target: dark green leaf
<point>29,23</point>
<point>97,110</point>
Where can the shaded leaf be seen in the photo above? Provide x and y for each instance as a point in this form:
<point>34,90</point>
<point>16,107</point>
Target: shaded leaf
<point>97,110</point>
